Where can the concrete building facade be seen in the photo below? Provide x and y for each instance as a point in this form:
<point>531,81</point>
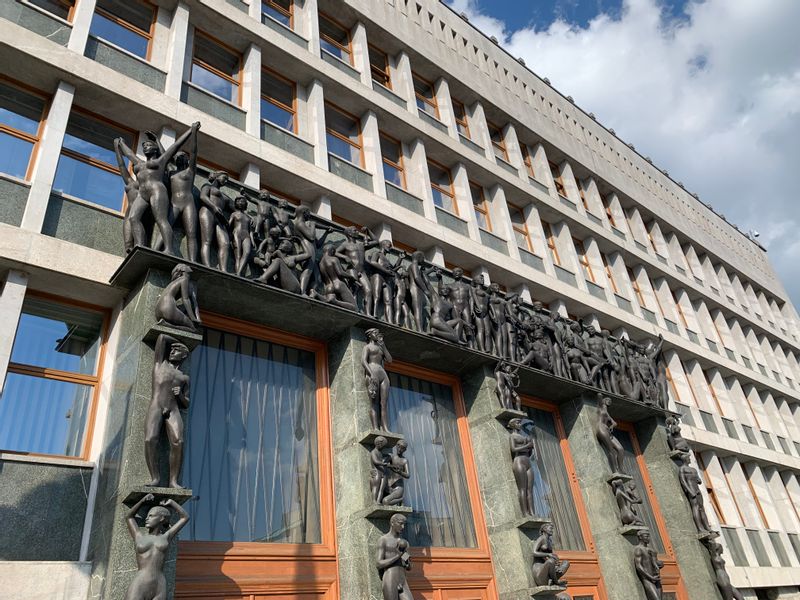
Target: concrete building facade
<point>397,115</point>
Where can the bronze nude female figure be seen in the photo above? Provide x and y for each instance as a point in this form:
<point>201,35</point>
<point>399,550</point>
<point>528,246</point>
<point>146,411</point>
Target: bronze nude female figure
<point>604,431</point>
<point>213,223</point>
<point>690,482</point>
<point>522,453</point>
<point>378,480</point>
<point>396,476</point>
<point>181,290</point>
<point>507,379</point>
<point>241,228</point>
<point>181,186</point>
<point>373,357</point>
<point>394,560</point>
<point>548,569</point>
<point>334,290</point>
<point>133,231</point>
<point>627,499</point>
<point>723,579</point>
<point>152,547</point>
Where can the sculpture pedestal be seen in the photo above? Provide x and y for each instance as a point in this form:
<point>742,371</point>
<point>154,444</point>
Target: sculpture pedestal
<point>504,415</point>
<point>547,592</point>
<point>618,477</point>
<point>534,522</point>
<point>631,530</point>
<point>137,493</point>
<point>368,439</point>
<point>190,338</point>
<point>383,511</point>
<point>706,536</point>
<point>676,454</point>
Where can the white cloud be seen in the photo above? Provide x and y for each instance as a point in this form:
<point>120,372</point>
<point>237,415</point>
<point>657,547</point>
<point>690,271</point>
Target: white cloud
<point>714,99</point>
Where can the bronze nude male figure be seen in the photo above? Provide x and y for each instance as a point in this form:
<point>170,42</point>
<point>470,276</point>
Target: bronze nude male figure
<point>507,378</point>
<point>394,560</point>
<point>690,482</point>
<point>373,357</point>
<point>648,566</point>
<point>397,473</point>
<point>169,396</point>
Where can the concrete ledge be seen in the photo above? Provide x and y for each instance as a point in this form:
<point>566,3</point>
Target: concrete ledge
<point>382,511</point>
<point>190,338</point>
<point>368,439</point>
<point>180,495</point>
<point>387,93</point>
<point>112,57</point>
<point>284,31</point>
<point>54,580</point>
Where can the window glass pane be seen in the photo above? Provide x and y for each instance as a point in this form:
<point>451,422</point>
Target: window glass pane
<point>517,217</point>
<point>20,110</point>
<point>392,174</point>
<point>277,89</point>
<point>379,66</point>
<point>552,496</point>
<point>522,240</point>
<point>60,8</point>
<point>214,83</point>
<point>329,29</point>
<point>82,180</point>
<point>442,200</point>
<point>93,138</point>
<point>137,14</point>
<point>111,31</point>
<point>439,176</point>
<point>631,467</point>
<point>425,413</point>
<point>15,154</point>
<point>277,115</point>
<point>57,336</point>
<point>342,124</point>
<point>391,150</point>
<point>278,10</point>
<point>342,149</point>
<point>216,56</point>
<point>43,415</point>
<point>251,444</point>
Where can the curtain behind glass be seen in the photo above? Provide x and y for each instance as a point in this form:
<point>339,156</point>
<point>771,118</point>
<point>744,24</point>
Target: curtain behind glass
<point>251,442</point>
<point>424,412</point>
<point>631,467</point>
<point>552,496</point>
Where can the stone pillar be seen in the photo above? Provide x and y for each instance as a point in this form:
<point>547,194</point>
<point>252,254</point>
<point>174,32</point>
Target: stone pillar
<point>403,82</point>
<point>435,256</point>
<point>480,130</point>
<point>11,298</point>
<point>514,153</point>
<point>445,103</point>
<point>322,207</point>
<point>254,10</point>
<point>358,42</point>
<point>81,21</point>
<point>250,175</point>
<point>501,220</point>
<point>251,90</point>
<point>122,465</point>
<point>373,160</point>
<point>419,178</point>
<point>463,200</point>
<point>315,118</point>
<point>693,560</point>
<point>511,547</point>
<point>177,50</point>
<point>308,13</point>
<point>44,169</point>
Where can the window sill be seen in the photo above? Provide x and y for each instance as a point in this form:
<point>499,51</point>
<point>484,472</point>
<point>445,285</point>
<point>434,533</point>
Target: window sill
<point>43,459</point>
<point>351,164</point>
<point>275,21</point>
<point>17,180</point>
<point>336,58</point>
<point>87,203</point>
<point>450,212</point>
<point>213,95</point>
<point>127,53</point>
<point>45,13</point>
<point>284,130</point>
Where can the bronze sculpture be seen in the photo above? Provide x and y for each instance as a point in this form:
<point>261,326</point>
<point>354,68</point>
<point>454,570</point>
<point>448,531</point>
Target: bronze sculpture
<point>378,480</point>
<point>627,499</point>
<point>420,289</point>
<point>306,230</point>
<point>523,452</point>
<point>352,251</point>
<point>177,304</point>
<point>241,230</point>
<point>548,568</point>
<point>181,188</point>
<point>480,316</point>
<point>381,280</point>
<point>334,291</point>
<point>149,583</point>
<point>213,222</point>
<point>398,472</point>
<point>133,230</point>
<point>169,396</point>
<point>675,440</point>
<point>444,323</point>
<point>393,561</point>
<point>280,265</point>
<point>690,482</point>
<point>507,378</point>
<point>373,357</point>
<point>604,431</point>
<point>724,584</point>
<point>648,566</point>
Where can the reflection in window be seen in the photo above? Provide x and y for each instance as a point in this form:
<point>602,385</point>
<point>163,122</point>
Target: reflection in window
<point>425,413</point>
<point>278,100</point>
<point>344,134</point>
<point>480,206</point>
<point>280,10</point>
<point>20,115</point>
<point>216,67</point>
<point>125,24</point>
<point>45,405</point>
<point>552,496</point>
<point>87,167</point>
<point>379,67</point>
<point>460,114</point>
<point>426,96</point>
<point>631,466</point>
<point>520,227</point>
<point>59,8</point>
<point>392,155</point>
<point>334,39</point>
<point>251,444</point>
<point>442,187</point>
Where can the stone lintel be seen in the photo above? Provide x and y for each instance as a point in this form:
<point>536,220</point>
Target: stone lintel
<point>382,511</point>
<point>504,415</point>
<point>534,522</point>
<point>632,530</point>
<point>137,493</point>
<point>190,338</point>
<point>368,439</point>
<point>547,592</point>
<point>618,477</point>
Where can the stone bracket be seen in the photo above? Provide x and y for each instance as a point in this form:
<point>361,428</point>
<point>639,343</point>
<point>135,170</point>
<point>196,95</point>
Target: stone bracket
<point>618,477</point>
<point>547,592</point>
<point>384,511</point>
<point>180,495</point>
<point>504,415</point>
<point>368,439</point>
<point>631,530</point>
<point>190,338</point>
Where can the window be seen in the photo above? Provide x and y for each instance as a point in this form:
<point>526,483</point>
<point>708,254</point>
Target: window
<point>127,24</point>
<point>583,259</point>
<point>652,241</point>
<point>527,160</point>
<point>280,10</point>
<point>426,96</point>
<point>761,514</point>
<point>609,273</point>
<point>335,39</point>
<point>712,495</point>
<point>52,380</point>
<point>379,67</point>
<point>498,142</point>
<point>636,289</point>
<point>583,195</point>
<point>676,396</point>
<point>88,167</point>
<point>21,115</point>
<point>249,392</point>
<point>344,134</point>
<point>460,114</point>
<point>557,180</point>
<point>216,67</point>
<point>392,155</point>
<point>278,100</point>
<point>480,206</point>
<point>551,242</point>
<point>60,8</point>
<point>679,309</point>
<point>520,227</point>
<point>609,213</point>
<point>442,187</point>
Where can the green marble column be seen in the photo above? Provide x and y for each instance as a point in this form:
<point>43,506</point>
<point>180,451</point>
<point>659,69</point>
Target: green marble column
<point>690,553</point>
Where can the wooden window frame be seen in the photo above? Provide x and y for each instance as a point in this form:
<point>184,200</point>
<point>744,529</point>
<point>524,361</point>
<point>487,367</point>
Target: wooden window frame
<point>691,386</point>
<point>196,559</point>
<point>400,167</point>
<point>498,146</point>
<point>434,103</point>
<point>293,108</point>
<point>671,382</point>
<point>558,180</point>
<point>609,273</point>
<point>27,137</point>
<point>550,240</point>
<point>761,513</point>
<point>637,290</point>
<point>280,9</point>
<point>386,73</point>
<point>582,194</point>
<point>482,207</point>
<point>527,160</point>
<point>347,49</point>
<point>712,494</point>
<point>336,134</point>
<point>70,4</point>
<point>679,309</point>
<point>237,81</point>
<point>99,164</point>
<point>148,35</point>
<point>521,229</point>
<point>451,193</point>
<point>652,241</point>
<point>609,213</point>
<point>69,376</point>
<point>461,122</point>
<point>583,259</point>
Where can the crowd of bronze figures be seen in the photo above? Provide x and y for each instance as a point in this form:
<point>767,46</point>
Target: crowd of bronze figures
<point>268,240</point>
